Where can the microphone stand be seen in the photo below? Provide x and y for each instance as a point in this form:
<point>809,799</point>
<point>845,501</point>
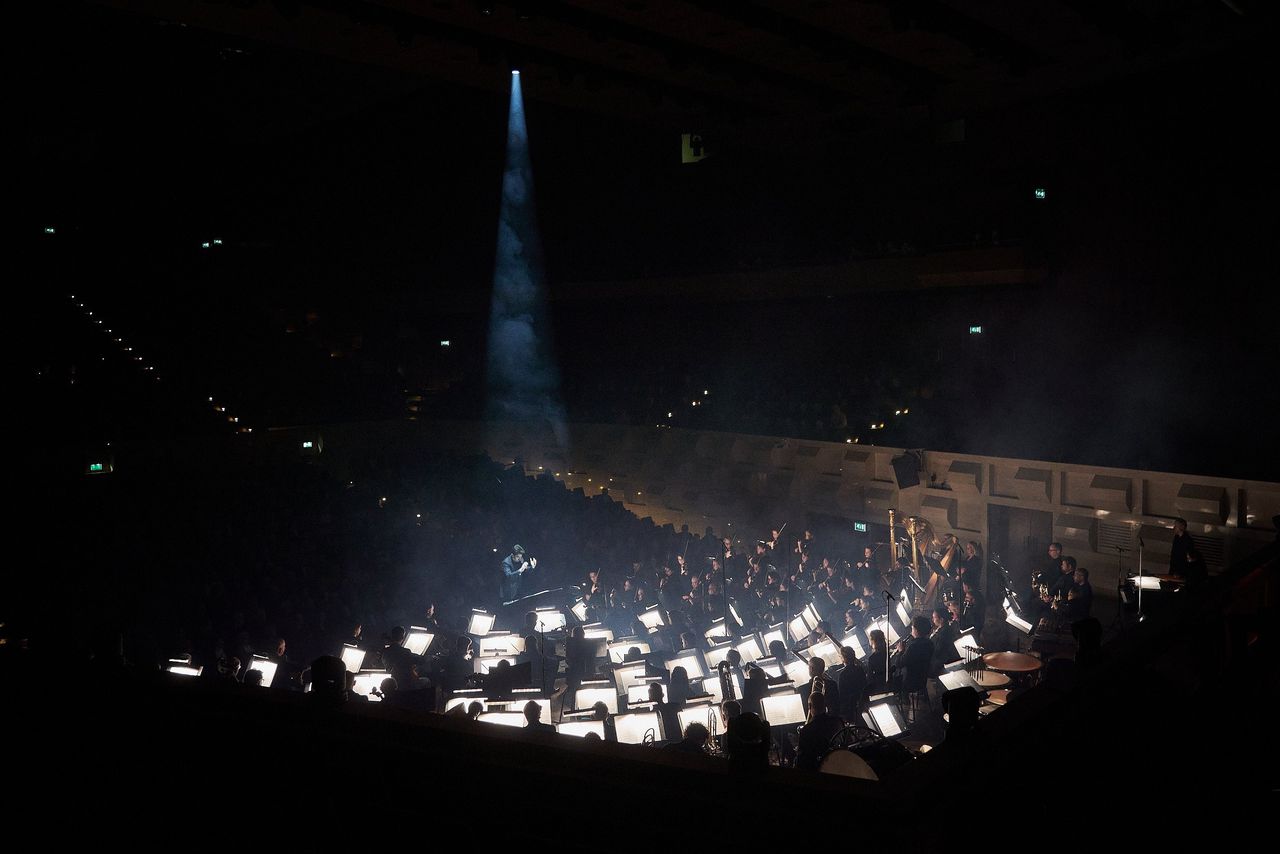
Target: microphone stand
<point>1141,616</point>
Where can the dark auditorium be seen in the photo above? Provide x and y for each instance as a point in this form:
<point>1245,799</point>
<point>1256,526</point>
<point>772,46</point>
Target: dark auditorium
<point>625,426</point>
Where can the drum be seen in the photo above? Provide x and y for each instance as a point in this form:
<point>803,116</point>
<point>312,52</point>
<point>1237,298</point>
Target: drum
<point>844,763</point>
<point>990,679</point>
<point>1012,662</point>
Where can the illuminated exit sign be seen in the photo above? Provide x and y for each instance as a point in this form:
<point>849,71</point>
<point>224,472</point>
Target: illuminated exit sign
<point>975,330</point>
<point>98,468</point>
<point>860,527</point>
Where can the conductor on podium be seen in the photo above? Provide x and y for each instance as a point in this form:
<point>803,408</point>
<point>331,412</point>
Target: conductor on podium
<point>513,567</point>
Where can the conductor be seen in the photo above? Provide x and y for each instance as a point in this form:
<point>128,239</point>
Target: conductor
<point>513,566</point>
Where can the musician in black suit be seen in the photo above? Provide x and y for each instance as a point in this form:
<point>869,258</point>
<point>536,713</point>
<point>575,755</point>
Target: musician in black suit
<point>815,736</point>
<point>853,685</point>
<point>1178,550</point>
<point>513,567</point>
<point>818,673</point>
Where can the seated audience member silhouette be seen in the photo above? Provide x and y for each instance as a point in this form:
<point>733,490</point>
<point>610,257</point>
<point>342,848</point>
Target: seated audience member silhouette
<point>694,741</point>
<point>747,739</point>
<point>600,712</point>
<point>253,677</point>
<point>330,681</point>
<point>666,713</point>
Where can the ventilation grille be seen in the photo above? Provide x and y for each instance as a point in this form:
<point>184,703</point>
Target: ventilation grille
<point>1212,549</point>
<point>1112,535</point>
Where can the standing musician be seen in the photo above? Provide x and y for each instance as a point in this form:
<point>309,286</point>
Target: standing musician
<point>513,567</point>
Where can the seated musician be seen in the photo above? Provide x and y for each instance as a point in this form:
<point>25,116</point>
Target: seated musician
<point>815,736</point>
<point>818,677</point>
<point>875,662</point>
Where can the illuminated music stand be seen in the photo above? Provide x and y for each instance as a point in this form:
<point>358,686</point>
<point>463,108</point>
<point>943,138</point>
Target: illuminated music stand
<point>501,643</point>
<point>718,653</point>
<point>712,686</point>
<point>733,612</point>
<point>632,727</point>
<point>771,666</point>
<point>515,720</point>
<point>266,666</point>
<point>183,667</point>
<point>798,627</point>
<point>618,649</point>
<point>626,675</point>
<point>884,625</point>
<point>696,713</point>
<point>959,678</point>
<point>797,671</point>
<point>750,648</point>
<point>783,708</point>
<point>1011,617</point>
<point>489,663</point>
<point>579,609</point>
<point>418,639</point>
<point>886,719</point>
<point>652,617</point>
<point>481,622</point>
<point>352,657</point>
<point>776,632</point>
<point>549,619</point>
<point>367,681</point>
<point>966,646</point>
<point>691,660</point>
<point>717,631</point>
<point>638,691</point>
<point>824,649</point>
<point>853,640</point>
<point>580,725</point>
<point>596,691</point>
<point>597,630</point>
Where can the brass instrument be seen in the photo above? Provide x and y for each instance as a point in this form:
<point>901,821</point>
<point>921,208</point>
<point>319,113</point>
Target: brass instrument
<point>726,682</point>
<point>713,728</point>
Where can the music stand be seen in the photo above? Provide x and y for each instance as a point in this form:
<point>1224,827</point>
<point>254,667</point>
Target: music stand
<point>619,648</point>
<point>717,631</point>
<point>597,630</point>
<point>695,712</point>
<point>691,660</point>
<point>515,720</point>
<point>266,666</point>
<point>596,691</point>
<point>638,691</point>
<point>580,726</point>
<point>418,639</point>
<point>776,632</point>
<point>481,622</point>
<point>750,648</point>
<point>487,664</point>
<point>652,617</point>
<point>549,619</point>
<point>1011,617</point>
<point>959,678</point>
<point>718,653</point>
<point>798,628</point>
<point>626,675</point>
<point>367,681</point>
<point>632,727</point>
<point>579,609</point>
<point>886,719</point>
<point>964,644</point>
<point>797,670</point>
<point>501,643</point>
<point>884,625</point>
<point>183,667</point>
<point>352,657</point>
<point>711,685</point>
<point>782,709</point>
<point>853,640</point>
<point>464,697</point>
<point>771,666</point>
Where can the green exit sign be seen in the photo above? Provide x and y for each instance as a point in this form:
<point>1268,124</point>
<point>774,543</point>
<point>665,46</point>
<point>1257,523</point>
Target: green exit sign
<point>975,330</point>
<point>1041,194</point>
<point>860,527</point>
<point>98,468</point>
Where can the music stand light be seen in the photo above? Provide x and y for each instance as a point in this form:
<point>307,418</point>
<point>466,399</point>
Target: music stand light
<point>597,630</point>
<point>1145,582</point>
<point>632,726</point>
<point>417,639</point>
<point>798,628</point>
<point>797,671</point>
<point>183,667</point>
<point>352,657</point>
<point>827,650</point>
<point>959,678</point>
<point>579,609</point>
<point>266,666</point>
<point>781,709</point>
<point>481,622</point>
<point>626,675</point>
